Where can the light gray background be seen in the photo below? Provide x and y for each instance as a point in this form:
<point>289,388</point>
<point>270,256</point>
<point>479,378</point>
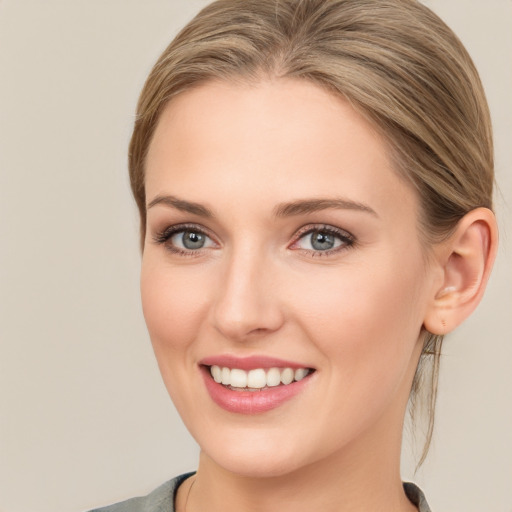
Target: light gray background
<point>84,418</point>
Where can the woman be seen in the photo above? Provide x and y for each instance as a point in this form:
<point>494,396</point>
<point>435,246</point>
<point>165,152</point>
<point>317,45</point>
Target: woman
<point>314,181</point>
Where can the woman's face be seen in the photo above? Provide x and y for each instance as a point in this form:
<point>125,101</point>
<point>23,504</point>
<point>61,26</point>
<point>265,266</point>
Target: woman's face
<point>279,236</point>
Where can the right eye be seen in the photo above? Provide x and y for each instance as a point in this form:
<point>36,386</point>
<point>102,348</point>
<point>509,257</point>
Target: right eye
<point>190,240</point>
<point>184,240</point>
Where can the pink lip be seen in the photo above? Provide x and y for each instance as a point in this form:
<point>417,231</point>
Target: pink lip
<point>249,363</point>
<point>250,402</point>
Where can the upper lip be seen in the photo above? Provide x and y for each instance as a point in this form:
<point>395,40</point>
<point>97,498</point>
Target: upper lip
<point>250,363</point>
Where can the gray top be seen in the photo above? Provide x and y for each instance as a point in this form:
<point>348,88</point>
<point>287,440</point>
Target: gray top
<point>162,498</point>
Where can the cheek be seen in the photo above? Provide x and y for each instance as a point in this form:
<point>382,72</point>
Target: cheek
<point>365,320</point>
<point>173,303</point>
<point>366,326</point>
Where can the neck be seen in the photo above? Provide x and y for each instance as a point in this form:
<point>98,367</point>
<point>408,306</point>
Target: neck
<point>355,480</point>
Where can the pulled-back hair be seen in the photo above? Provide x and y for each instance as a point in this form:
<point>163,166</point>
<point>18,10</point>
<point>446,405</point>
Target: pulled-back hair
<point>395,61</point>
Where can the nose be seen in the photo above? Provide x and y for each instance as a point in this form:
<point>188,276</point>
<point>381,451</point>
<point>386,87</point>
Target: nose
<point>247,303</point>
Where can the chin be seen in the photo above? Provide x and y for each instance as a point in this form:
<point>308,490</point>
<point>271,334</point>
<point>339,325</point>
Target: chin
<point>257,454</point>
<point>256,466</point>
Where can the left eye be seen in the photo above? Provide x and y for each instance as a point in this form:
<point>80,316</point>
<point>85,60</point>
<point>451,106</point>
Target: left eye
<point>322,240</point>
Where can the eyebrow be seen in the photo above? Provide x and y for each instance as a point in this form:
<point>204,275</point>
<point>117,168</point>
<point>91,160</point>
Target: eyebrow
<point>298,207</point>
<point>182,205</point>
<point>304,206</point>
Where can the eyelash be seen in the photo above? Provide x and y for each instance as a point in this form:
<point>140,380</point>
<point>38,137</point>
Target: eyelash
<point>164,236</point>
<point>347,239</point>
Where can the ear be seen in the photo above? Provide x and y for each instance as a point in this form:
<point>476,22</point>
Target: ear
<point>465,261</point>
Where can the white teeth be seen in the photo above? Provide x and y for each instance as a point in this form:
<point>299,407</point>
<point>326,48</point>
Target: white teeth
<point>257,378</point>
<point>273,377</point>
<point>238,378</point>
<point>226,376</point>
<point>216,373</point>
<point>287,376</point>
<point>300,373</point>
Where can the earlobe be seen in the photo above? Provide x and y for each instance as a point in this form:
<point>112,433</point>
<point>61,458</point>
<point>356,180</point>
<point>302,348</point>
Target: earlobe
<point>466,259</point>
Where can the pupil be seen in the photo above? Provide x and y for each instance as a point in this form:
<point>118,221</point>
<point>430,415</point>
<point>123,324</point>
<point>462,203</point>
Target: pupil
<point>322,241</point>
<point>192,240</point>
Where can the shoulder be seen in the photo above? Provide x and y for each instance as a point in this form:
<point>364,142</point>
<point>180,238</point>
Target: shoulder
<point>416,496</point>
<point>160,500</point>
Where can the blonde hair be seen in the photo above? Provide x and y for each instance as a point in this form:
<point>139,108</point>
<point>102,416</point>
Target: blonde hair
<point>394,60</point>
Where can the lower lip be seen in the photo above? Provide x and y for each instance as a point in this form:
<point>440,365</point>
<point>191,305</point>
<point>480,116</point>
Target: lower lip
<point>251,402</point>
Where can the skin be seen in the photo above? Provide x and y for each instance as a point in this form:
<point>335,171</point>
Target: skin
<point>258,287</point>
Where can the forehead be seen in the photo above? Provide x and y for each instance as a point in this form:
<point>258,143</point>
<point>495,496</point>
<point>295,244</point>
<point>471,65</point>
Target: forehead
<point>278,140</point>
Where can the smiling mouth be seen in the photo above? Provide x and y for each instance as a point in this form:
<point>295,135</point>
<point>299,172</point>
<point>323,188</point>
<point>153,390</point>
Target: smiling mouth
<point>257,379</point>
